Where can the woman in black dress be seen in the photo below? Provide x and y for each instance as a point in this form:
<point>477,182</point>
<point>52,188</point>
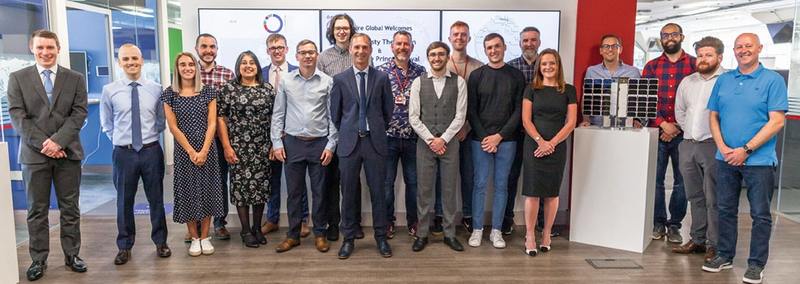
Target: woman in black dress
<point>245,112</point>
<point>549,114</point>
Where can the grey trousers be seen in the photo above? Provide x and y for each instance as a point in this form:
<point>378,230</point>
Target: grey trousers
<point>66,176</point>
<point>426,186</point>
<point>698,167</point>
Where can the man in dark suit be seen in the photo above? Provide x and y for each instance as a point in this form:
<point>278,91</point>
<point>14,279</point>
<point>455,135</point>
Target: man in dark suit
<point>361,107</point>
<point>47,104</point>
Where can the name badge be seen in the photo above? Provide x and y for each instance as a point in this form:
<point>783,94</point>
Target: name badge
<point>400,100</point>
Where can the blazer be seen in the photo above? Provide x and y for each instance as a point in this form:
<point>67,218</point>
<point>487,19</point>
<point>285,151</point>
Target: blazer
<point>265,71</point>
<point>344,109</point>
<point>36,120</point>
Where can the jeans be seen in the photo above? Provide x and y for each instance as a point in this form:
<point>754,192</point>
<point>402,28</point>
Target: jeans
<point>220,222</point>
<point>677,202</point>
<point>467,176</point>
<point>513,180</point>
<point>483,163</point>
<point>405,150</point>
<point>274,202</point>
<point>760,185</point>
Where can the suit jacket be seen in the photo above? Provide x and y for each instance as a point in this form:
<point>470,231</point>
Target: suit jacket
<point>344,109</point>
<point>36,120</point>
<point>265,71</point>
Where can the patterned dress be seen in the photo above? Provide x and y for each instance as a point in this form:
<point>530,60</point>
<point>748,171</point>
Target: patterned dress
<point>248,113</point>
<point>197,189</point>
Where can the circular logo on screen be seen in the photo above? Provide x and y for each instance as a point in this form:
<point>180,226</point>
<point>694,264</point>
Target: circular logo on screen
<point>273,23</point>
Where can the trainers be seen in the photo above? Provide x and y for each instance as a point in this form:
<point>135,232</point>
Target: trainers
<point>390,231</point>
<point>436,228</point>
<point>717,264</point>
<point>497,239</point>
<point>467,223</point>
<point>206,247</point>
<point>659,231</point>
<point>754,274</point>
<point>475,238</point>
<point>195,248</point>
<point>508,226</point>
<point>412,230</point>
<point>674,235</point>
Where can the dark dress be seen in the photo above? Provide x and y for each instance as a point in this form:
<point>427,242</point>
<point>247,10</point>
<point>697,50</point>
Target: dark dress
<point>197,189</point>
<point>248,112</point>
<point>542,176</point>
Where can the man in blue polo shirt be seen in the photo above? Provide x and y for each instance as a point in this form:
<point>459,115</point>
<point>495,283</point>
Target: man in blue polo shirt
<point>748,107</point>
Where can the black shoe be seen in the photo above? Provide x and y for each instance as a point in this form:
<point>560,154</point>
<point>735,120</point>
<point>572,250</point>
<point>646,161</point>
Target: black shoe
<point>554,233</point>
<point>249,240</point>
<point>122,257</point>
<point>467,223</point>
<point>75,263</point>
<point>508,226</point>
<point>359,233</point>
<point>347,249</point>
<point>390,230</point>
<point>453,243</point>
<point>419,244</point>
<point>436,228</point>
<point>36,270</point>
<point>163,250</point>
<point>384,249</point>
<point>258,235</point>
<point>333,233</point>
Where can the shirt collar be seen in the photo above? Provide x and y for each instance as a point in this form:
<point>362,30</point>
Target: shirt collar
<point>522,60</point>
<point>40,69</point>
<point>296,74</point>
<point>446,74</point>
<point>684,56</point>
<point>209,69</point>
<point>339,49</point>
<point>355,70</point>
<point>284,67</point>
<point>753,74</point>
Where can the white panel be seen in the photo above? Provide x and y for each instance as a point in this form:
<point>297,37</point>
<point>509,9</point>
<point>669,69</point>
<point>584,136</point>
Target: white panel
<point>9,266</point>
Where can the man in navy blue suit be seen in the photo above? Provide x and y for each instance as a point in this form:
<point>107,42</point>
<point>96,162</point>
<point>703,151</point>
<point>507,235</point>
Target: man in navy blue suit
<point>361,107</point>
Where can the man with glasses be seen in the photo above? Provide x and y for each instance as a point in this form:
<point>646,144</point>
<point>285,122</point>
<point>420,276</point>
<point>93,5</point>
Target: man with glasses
<point>669,68</point>
<point>611,67</point>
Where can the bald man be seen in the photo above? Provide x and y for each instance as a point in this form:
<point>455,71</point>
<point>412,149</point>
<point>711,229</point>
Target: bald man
<point>748,106</point>
<point>132,117</point>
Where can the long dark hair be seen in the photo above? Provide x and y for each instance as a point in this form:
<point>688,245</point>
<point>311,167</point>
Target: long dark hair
<point>329,33</point>
<point>236,71</point>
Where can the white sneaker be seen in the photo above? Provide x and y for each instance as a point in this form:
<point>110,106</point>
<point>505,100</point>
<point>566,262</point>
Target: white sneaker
<point>194,248</point>
<point>475,238</point>
<point>206,246</point>
<point>497,239</point>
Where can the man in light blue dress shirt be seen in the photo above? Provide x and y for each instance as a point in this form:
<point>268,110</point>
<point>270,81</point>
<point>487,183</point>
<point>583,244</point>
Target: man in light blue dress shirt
<point>611,67</point>
<point>132,116</point>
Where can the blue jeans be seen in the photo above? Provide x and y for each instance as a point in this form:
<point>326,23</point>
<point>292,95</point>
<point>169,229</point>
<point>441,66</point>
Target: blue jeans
<point>405,150</point>
<point>760,185</point>
<point>677,202</point>
<point>467,178</point>
<point>483,163</point>
<point>274,202</point>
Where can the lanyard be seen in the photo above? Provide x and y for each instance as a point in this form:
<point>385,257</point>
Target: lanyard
<point>401,84</point>
<point>455,66</point>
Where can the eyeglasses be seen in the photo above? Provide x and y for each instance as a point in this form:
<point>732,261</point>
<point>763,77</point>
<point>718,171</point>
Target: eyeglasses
<point>671,35</point>
<point>609,46</point>
<point>277,48</point>
<point>341,29</point>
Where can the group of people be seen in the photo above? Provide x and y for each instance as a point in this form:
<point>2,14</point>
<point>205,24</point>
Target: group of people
<point>238,131</point>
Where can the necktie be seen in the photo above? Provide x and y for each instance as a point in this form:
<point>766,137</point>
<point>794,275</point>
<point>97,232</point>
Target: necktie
<point>48,84</point>
<point>277,77</point>
<point>362,105</point>
<point>136,121</point>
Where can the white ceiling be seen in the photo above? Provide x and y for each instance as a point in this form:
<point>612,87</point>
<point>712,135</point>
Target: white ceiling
<point>709,13</point>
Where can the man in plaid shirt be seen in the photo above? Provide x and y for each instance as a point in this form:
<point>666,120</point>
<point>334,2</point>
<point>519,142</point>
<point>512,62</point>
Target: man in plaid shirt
<point>215,76</point>
<point>669,68</point>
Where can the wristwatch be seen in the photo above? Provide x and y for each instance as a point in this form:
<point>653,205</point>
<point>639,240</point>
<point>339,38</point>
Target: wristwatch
<point>747,149</point>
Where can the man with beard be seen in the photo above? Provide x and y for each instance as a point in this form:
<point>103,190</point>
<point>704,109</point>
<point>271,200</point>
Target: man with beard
<point>611,67</point>
<point>748,107</point>
<point>697,149</point>
<point>669,68</point>
<point>214,75</point>
<point>402,139</point>
<point>463,65</point>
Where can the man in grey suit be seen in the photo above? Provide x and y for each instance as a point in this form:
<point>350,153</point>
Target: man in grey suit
<point>47,104</point>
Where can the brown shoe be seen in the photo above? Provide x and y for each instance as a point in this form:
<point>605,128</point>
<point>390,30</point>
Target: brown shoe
<point>287,244</point>
<point>711,253</point>
<point>321,243</point>
<point>304,230</point>
<point>689,247</point>
<point>222,233</point>
<point>269,227</point>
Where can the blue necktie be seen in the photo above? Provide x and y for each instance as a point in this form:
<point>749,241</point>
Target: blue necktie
<point>136,121</point>
<point>362,107</point>
<point>48,84</point>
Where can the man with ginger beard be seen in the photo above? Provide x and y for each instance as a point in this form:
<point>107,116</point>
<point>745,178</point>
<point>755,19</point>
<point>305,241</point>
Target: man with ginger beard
<point>669,68</point>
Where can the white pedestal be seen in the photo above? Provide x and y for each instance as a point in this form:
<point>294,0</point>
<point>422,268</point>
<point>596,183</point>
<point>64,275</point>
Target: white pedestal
<point>613,187</point>
<point>9,267</point>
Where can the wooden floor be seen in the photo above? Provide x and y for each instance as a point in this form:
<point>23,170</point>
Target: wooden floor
<point>234,263</point>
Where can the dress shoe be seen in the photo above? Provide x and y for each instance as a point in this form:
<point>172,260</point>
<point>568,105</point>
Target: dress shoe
<point>75,263</point>
<point>249,240</point>
<point>305,231</point>
<point>347,249</point>
<point>321,243</point>
<point>222,233</point>
<point>269,227</point>
<point>453,243</point>
<point>508,226</point>
<point>711,252</point>
<point>332,233</point>
<point>419,244</point>
<point>259,236</point>
<point>384,248</point>
<point>359,233</point>
<point>122,257</point>
<point>286,245</point>
<point>689,247</point>
<point>163,250</point>
<point>36,270</point>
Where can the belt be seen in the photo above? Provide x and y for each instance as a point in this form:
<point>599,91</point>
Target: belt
<point>709,140</point>
<point>306,138</point>
<point>363,134</point>
<point>130,146</point>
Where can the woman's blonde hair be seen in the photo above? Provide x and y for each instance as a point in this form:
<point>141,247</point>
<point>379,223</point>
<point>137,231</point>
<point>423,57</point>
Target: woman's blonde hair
<point>176,77</point>
<point>538,77</point>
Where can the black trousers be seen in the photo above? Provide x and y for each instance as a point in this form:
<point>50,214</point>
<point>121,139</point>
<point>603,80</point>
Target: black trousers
<point>375,168</point>
<point>129,166</point>
<point>303,156</point>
